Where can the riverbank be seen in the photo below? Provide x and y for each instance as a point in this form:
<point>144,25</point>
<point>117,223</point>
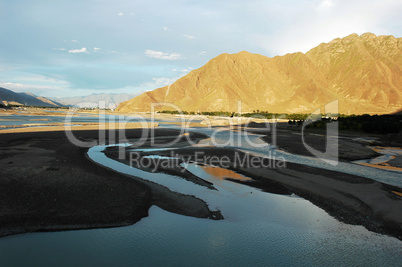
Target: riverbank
<point>57,127</point>
<point>48,184</point>
<point>352,146</point>
<point>349,198</point>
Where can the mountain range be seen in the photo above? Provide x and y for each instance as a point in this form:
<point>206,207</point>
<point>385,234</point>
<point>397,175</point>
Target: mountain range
<point>8,97</point>
<point>363,72</point>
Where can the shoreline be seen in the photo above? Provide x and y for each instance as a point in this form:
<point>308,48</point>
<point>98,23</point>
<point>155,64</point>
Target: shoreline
<point>49,184</point>
<point>349,198</point>
<point>61,172</point>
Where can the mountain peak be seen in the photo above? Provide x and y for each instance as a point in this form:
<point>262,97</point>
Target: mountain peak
<point>354,36</point>
<point>368,35</point>
<point>243,53</point>
<point>363,73</point>
<point>8,97</point>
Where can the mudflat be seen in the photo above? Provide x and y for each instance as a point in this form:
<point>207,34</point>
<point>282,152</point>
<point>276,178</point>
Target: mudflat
<point>48,183</point>
<point>349,198</point>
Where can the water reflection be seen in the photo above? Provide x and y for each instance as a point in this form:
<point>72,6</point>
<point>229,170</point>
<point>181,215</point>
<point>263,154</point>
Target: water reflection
<point>221,173</point>
<point>259,229</point>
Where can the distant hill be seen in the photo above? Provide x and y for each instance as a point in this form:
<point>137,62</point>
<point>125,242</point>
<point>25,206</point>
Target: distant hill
<point>363,72</point>
<point>8,97</point>
<point>93,100</point>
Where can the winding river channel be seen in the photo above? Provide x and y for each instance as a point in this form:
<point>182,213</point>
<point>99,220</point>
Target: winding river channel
<point>259,228</point>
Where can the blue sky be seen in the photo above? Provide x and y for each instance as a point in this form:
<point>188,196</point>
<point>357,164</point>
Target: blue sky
<point>78,47</point>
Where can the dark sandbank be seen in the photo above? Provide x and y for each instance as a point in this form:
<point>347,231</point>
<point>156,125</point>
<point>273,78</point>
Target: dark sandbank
<point>48,184</point>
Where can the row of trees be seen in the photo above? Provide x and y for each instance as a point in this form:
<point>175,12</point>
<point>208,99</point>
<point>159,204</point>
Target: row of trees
<point>207,113</point>
<point>364,123</point>
<point>257,114</point>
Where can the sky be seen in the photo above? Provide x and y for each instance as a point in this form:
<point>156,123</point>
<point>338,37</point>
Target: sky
<point>58,48</point>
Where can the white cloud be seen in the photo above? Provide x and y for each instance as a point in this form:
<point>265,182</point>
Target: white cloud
<point>74,41</point>
<point>162,55</point>
<point>203,53</point>
<point>183,70</point>
<point>163,81</point>
<point>12,86</point>
<point>188,36</point>
<point>325,4</point>
<point>76,51</point>
<point>60,49</point>
<point>33,88</point>
<point>187,69</point>
<point>159,82</point>
<point>120,14</point>
<point>104,51</point>
<point>166,29</point>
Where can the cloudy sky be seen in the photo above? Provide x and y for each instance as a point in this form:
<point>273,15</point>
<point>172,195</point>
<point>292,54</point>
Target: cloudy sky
<point>79,47</point>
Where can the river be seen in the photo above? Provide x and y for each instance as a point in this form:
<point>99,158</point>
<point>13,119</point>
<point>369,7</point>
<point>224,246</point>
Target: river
<point>259,229</point>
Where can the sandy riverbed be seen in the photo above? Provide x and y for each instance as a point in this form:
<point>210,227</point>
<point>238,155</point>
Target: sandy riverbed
<point>49,184</point>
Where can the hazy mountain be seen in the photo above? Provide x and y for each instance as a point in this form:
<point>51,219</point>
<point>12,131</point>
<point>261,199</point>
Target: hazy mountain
<point>94,100</point>
<point>8,97</point>
<point>363,72</point>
